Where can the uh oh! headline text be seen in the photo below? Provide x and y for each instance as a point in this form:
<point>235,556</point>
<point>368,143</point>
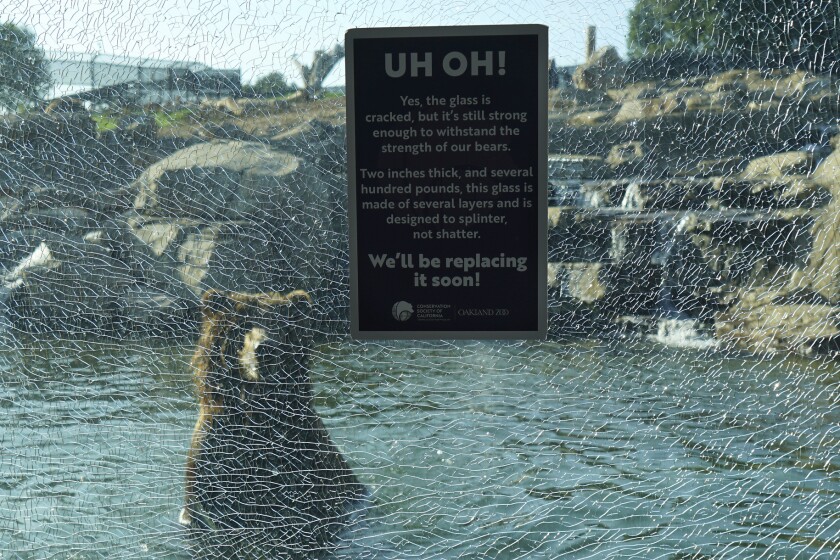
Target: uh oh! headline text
<point>455,63</point>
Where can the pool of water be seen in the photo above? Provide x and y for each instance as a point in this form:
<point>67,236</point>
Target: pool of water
<point>470,450</point>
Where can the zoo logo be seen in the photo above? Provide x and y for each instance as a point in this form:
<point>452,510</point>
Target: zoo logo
<point>402,311</point>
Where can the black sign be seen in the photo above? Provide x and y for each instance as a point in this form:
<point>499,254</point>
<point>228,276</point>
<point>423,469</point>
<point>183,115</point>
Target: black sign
<point>447,132</point>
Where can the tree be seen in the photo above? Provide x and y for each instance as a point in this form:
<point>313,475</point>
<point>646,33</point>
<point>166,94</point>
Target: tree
<point>272,85</point>
<point>313,75</point>
<point>23,68</point>
<point>761,33</point>
<point>658,26</point>
<point>801,33</point>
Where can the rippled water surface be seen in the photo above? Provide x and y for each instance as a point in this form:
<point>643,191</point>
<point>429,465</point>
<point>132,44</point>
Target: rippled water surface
<point>470,450</point>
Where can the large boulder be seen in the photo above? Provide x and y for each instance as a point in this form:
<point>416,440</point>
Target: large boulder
<point>649,108</point>
<point>322,143</point>
<point>581,282</point>
<point>188,257</point>
<point>764,322</point>
<point>65,288</point>
<point>237,216</point>
<point>779,166</point>
<point>94,284</point>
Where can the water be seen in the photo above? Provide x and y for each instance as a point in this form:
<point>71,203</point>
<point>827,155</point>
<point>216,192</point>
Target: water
<point>470,450</point>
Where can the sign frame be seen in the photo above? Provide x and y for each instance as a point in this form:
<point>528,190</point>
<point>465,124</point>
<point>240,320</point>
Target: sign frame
<point>541,178</point>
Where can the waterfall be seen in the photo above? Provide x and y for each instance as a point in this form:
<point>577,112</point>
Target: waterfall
<point>685,333</point>
<point>674,326</point>
<point>672,233</point>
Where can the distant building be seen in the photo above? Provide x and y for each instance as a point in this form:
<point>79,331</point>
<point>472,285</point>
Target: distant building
<point>126,80</point>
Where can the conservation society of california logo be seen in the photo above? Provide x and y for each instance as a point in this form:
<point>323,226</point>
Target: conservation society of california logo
<point>402,311</point>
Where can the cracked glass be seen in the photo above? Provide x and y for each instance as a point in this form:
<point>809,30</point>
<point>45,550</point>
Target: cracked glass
<point>177,375</point>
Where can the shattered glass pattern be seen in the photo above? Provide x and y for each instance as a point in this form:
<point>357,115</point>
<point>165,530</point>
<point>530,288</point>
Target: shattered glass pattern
<point>155,221</point>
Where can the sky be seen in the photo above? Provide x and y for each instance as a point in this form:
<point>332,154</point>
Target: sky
<point>260,36</point>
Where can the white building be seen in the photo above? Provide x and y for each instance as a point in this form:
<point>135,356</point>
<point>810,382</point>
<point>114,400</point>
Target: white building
<point>134,79</point>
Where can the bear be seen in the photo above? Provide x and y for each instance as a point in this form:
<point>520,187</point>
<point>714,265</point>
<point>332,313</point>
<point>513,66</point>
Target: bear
<point>260,456</point>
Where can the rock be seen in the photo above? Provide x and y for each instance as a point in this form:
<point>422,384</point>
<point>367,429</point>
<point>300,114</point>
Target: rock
<point>570,98</point>
<point>781,165</point>
<point>634,159</point>
<point>187,257</point>
<point>727,82</point>
<point>697,101</point>
<point>16,246</point>
<point>66,288</point>
<point>226,104</point>
<point>827,173</point>
<point>803,193</point>
<point>794,191</point>
<point>578,281</point>
<point>768,106</point>
<point>627,153</point>
<point>575,236</point>
<point>638,90</point>
<point>224,131</point>
<point>144,311</point>
<point>75,221</point>
<point>54,147</point>
<point>669,194</point>
<point>318,142</point>
<point>226,255</point>
<point>802,84</point>
<point>590,118</point>
<point>704,168</point>
<point>823,269</point>
<point>653,108</point>
<point>243,216</point>
<point>575,293</point>
<point>800,328</point>
<point>40,259</point>
<point>82,287</point>
<point>604,70</point>
<point>726,101</point>
<point>137,131</point>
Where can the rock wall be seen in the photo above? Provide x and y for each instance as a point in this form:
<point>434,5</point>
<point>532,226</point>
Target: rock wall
<point>689,199</point>
<point>707,200</point>
<point>131,248</point>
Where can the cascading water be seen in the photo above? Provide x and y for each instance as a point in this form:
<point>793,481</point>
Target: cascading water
<point>675,327</point>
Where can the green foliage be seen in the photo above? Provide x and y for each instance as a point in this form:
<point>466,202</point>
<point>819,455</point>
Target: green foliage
<point>327,94</point>
<point>270,85</point>
<point>760,33</point>
<point>165,119</point>
<point>657,26</point>
<point>23,68</point>
<point>104,123</point>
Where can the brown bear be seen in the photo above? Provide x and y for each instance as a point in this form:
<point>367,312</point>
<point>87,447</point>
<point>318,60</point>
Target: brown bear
<point>260,456</point>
